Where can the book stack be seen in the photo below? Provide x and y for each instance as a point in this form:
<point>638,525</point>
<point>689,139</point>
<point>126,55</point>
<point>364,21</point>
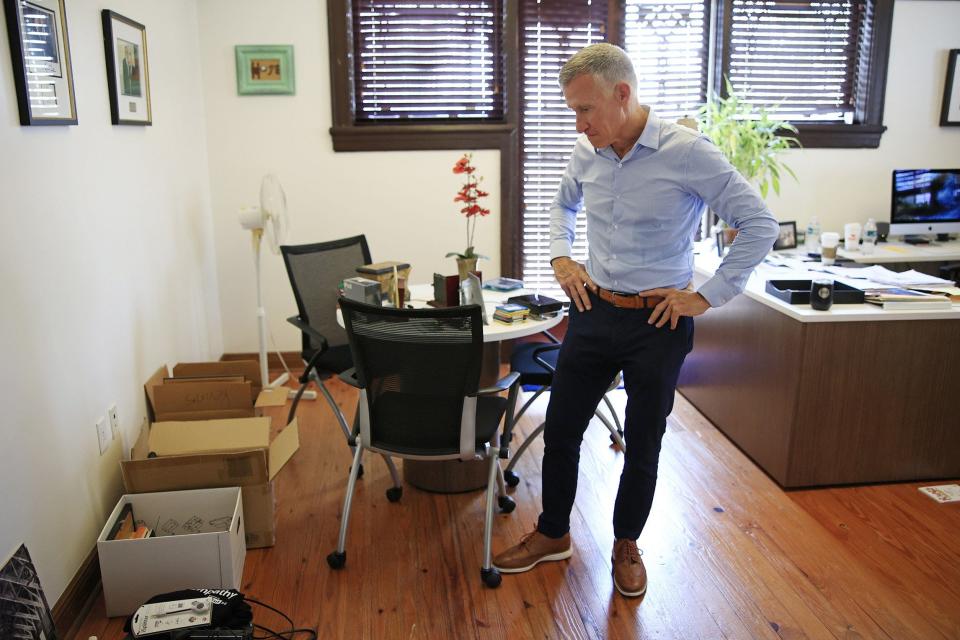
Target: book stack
<point>511,313</point>
<point>902,299</point>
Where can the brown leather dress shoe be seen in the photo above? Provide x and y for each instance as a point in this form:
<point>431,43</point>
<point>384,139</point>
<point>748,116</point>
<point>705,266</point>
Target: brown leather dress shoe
<point>532,549</point>
<point>629,574</point>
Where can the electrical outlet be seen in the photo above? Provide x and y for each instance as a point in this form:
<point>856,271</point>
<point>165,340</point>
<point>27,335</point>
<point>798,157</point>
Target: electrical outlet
<point>104,436</point>
<point>114,420</point>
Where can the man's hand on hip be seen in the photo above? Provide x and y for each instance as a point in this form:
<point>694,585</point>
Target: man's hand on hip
<point>676,303</point>
<point>574,281</point>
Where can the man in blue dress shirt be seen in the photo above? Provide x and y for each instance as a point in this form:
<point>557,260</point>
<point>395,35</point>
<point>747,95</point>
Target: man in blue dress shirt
<point>643,183</point>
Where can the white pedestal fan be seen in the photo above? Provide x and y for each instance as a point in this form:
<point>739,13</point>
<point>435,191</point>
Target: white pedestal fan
<point>270,220</point>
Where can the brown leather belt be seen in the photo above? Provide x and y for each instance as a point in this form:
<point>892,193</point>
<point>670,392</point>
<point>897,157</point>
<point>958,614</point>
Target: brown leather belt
<point>629,300</point>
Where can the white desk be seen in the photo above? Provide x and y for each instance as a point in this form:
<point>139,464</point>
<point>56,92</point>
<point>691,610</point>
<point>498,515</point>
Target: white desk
<point>891,252</point>
<point>706,264</point>
<point>851,395</point>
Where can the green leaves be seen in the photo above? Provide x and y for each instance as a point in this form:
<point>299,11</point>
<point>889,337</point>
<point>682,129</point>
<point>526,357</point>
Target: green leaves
<point>750,137</point>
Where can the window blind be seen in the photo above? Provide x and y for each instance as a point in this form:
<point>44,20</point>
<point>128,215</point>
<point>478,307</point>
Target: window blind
<point>805,60</point>
<point>427,60</point>
<point>550,32</point>
<point>668,44</point>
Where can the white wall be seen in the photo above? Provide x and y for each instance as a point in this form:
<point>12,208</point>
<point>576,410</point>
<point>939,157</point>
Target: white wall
<point>402,201</point>
<point>107,272</point>
<point>850,185</point>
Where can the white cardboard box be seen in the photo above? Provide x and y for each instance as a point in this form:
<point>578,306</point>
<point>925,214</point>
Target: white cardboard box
<point>199,542</point>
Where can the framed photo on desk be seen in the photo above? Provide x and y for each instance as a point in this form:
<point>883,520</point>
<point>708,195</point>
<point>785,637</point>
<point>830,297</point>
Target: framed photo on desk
<point>788,236</point>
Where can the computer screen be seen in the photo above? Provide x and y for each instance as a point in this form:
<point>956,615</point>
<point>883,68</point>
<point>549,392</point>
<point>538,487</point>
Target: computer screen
<point>925,201</point>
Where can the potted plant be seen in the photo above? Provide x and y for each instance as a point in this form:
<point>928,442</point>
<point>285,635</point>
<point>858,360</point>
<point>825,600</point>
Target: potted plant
<point>752,140</point>
<point>470,195</point>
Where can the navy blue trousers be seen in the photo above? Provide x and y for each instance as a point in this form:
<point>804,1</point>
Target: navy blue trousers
<point>598,344</point>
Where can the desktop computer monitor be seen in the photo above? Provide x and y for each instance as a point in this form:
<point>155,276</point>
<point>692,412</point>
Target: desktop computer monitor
<point>925,201</point>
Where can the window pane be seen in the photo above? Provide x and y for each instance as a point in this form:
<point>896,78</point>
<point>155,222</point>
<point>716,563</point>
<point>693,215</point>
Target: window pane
<point>428,60</point>
<point>551,32</point>
<point>668,45</point>
<point>798,57</point>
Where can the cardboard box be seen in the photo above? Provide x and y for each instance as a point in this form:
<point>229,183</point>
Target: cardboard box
<point>215,453</point>
<point>209,390</point>
<point>198,544</point>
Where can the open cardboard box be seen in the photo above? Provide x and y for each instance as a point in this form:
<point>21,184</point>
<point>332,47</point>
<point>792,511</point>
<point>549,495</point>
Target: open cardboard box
<point>198,543</point>
<point>209,390</point>
<point>215,453</point>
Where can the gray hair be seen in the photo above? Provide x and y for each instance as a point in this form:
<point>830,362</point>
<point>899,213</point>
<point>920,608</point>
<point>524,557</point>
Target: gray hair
<point>603,59</point>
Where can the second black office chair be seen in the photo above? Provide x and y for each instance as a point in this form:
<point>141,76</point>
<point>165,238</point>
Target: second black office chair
<point>315,271</point>
<point>418,371</point>
<point>536,362</point>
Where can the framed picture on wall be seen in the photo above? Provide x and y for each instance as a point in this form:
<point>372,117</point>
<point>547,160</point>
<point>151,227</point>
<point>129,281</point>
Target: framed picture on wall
<point>265,69</point>
<point>128,70</point>
<point>950,113</point>
<point>42,69</point>
<point>788,236</point>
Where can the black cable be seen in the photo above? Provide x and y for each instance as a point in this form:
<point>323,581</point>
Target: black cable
<point>283,635</point>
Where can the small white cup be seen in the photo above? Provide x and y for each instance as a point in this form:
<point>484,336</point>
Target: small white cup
<point>828,247</point>
<point>851,236</point>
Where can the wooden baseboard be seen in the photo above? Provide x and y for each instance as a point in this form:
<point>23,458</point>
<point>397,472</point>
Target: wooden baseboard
<point>292,358</point>
<point>77,599</point>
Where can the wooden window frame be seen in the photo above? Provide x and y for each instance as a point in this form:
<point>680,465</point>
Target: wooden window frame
<point>866,132</point>
<point>504,136</point>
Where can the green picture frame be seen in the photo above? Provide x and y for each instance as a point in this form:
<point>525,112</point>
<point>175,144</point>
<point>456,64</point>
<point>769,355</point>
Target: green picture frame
<point>265,69</point>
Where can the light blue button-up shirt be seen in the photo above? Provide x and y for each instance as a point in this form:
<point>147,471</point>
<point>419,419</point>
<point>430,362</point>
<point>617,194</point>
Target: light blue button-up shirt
<point>642,212</point>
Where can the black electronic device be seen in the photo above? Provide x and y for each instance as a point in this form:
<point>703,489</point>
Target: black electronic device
<point>539,305</point>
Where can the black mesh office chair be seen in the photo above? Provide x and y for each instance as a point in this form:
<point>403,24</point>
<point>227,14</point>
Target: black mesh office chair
<point>536,362</point>
<point>418,371</point>
<point>315,271</point>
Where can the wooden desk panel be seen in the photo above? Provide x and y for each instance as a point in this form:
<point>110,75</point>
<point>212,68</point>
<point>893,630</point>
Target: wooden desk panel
<point>829,403</point>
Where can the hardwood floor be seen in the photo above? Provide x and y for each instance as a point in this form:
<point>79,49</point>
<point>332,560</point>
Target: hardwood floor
<point>729,554</point>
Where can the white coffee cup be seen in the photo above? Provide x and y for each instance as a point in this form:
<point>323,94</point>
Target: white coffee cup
<point>828,247</point>
<point>851,236</point>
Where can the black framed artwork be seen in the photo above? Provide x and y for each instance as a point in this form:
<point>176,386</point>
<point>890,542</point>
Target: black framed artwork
<point>128,69</point>
<point>950,112</point>
<point>42,68</point>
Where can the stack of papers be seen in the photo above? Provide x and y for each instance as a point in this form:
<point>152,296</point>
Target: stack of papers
<point>909,278</point>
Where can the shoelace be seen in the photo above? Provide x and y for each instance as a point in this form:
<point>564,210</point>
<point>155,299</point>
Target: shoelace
<point>633,553</point>
<point>527,537</point>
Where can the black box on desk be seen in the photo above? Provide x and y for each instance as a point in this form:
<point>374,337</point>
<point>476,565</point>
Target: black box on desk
<point>798,292</point>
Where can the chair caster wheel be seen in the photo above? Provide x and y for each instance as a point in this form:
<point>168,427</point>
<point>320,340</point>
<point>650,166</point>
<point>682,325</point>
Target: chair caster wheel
<point>506,504</point>
<point>394,494</point>
<point>511,478</point>
<point>491,577</point>
<point>337,560</point>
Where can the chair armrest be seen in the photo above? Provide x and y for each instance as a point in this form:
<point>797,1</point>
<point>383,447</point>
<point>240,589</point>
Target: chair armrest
<point>540,361</point>
<point>502,384</point>
<point>310,331</point>
<point>350,377</point>
<point>551,337</point>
